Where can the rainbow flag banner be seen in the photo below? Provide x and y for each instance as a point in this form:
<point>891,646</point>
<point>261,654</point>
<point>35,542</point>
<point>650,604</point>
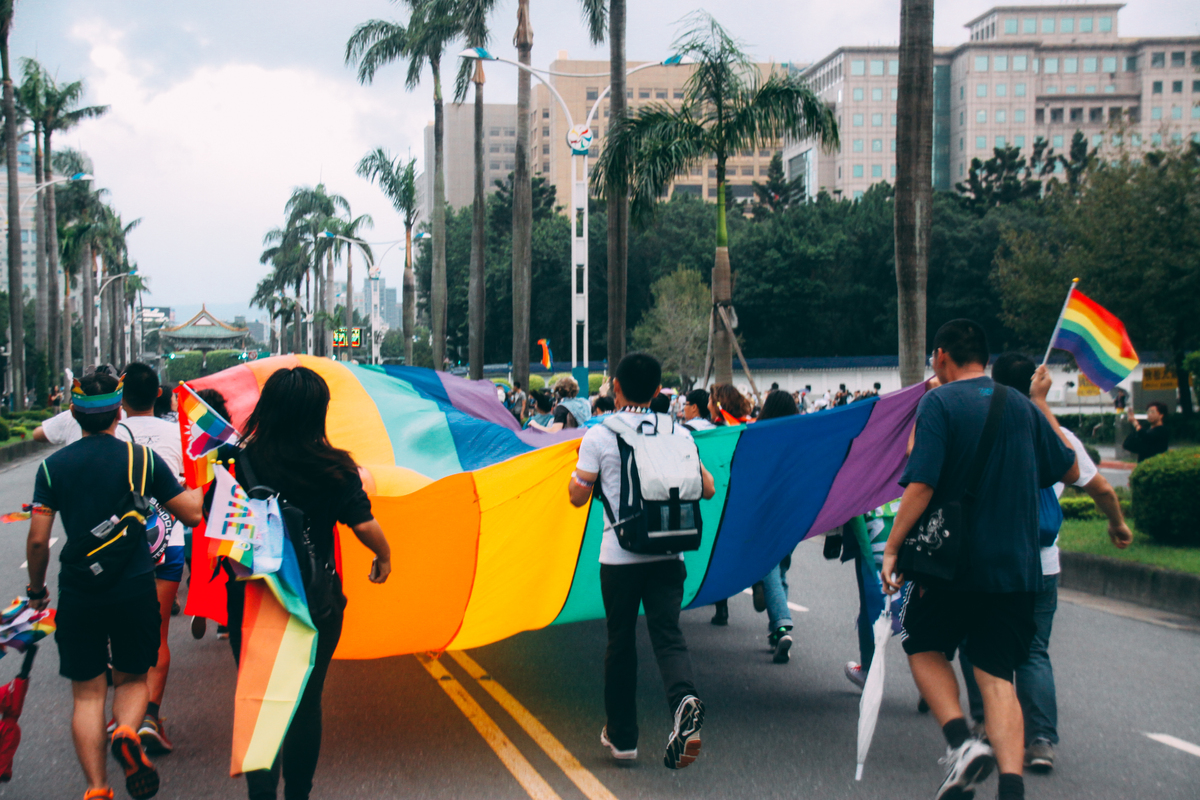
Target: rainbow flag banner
<point>203,431</point>
<point>21,626</point>
<point>442,453</point>
<point>1097,339</point>
<point>547,356</point>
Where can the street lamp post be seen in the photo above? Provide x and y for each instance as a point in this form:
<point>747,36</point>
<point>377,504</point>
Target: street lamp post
<point>99,301</point>
<point>579,139</point>
<point>378,327</point>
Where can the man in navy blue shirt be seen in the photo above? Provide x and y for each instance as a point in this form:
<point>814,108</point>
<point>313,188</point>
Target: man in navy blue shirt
<point>988,605</point>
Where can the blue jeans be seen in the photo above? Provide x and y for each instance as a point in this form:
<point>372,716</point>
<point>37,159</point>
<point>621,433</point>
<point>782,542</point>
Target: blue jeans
<point>775,588</point>
<point>1034,678</point>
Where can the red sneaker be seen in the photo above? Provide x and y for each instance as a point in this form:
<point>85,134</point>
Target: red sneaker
<point>154,736</point>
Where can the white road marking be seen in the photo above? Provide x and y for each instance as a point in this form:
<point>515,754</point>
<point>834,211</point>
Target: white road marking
<point>793,606</point>
<point>25,564</point>
<point>1178,744</point>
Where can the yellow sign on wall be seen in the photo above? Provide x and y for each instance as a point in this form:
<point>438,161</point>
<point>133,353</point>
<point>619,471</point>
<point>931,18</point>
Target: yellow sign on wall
<point>1159,378</point>
<point>1085,387</point>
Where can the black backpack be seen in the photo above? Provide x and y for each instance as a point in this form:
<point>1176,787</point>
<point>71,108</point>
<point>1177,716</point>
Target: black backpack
<point>98,561</point>
<point>322,584</point>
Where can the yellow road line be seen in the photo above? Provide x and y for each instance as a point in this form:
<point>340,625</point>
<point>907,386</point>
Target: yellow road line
<point>584,779</point>
<point>510,756</point>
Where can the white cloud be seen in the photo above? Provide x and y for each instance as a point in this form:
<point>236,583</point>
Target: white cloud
<point>209,161</point>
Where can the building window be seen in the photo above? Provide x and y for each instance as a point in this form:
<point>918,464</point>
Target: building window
<point>764,170</point>
<point>1155,112</point>
<point>857,171</point>
<point>1176,112</point>
<point>660,94</point>
<point>1156,140</point>
<point>961,119</point>
<point>697,170</point>
<point>510,165</point>
<point>1070,65</point>
<point>1110,64</point>
<point>1116,140</point>
<point>1105,25</point>
<point>1056,116</point>
<point>858,194</point>
<point>510,148</point>
<point>959,144</point>
<point>1057,141</point>
<point>1047,24</point>
<point>1196,86</point>
<point>1110,88</point>
<point>545,149</point>
<point>1097,139</point>
<point>1019,115</point>
<point>1001,90</point>
<point>960,170</point>
<point>712,172</point>
<point>981,90</point>
<point>981,115</point>
<point>1089,90</point>
<point>546,113</point>
<point>1010,26</point>
<point>1156,87</point>
<point>1029,25</point>
<point>1018,90</point>
<point>1158,60</point>
<point>877,120</point>
<point>494,132</point>
<point>981,143</point>
<point>895,94</point>
<point>857,146</point>
<point>1069,90</point>
<point>857,120</point>
<point>1131,63</point>
<point>494,165</point>
<point>1176,87</point>
<point>894,66</point>
<point>1000,63</point>
<point>877,94</point>
<point>960,92</point>
<point>1090,64</point>
<point>1085,24</point>
<point>748,170</point>
<point>893,120</point>
<point>643,94</point>
<point>1001,116</point>
<point>677,94</point>
<point>1050,66</point>
<point>764,153</point>
<point>877,66</point>
<point>1076,115</point>
<point>1000,141</point>
<point>1019,141</point>
<point>981,63</point>
<point>1066,25</point>
<point>857,94</point>
<point>545,130</point>
<point>877,170</point>
<point>1020,63</point>
<point>1095,115</point>
<point>877,145</point>
<point>495,148</point>
<point>858,67</point>
<point>1195,112</point>
<point>593,93</point>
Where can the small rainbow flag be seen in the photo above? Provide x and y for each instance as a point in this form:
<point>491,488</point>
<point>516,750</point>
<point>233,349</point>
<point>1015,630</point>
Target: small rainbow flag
<point>1096,338</point>
<point>21,626</point>
<point>547,356</point>
<point>203,431</point>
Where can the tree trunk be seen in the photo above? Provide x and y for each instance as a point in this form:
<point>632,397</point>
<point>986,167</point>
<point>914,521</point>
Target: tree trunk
<point>914,182</point>
<point>41,323</point>
<point>476,297</point>
<point>617,199</point>
<point>120,307</point>
<point>409,308</point>
<point>105,348</point>
<point>58,358</point>
<point>87,272</point>
<point>1184,384</point>
<point>437,288</point>
<point>16,297</point>
<point>349,300</point>
<point>722,290</point>
<point>522,206</point>
<point>326,334</point>
<point>308,312</point>
<point>297,324</point>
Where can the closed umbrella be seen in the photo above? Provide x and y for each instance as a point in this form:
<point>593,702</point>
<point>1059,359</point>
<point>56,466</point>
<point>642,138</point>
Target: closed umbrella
<point>872,695</point>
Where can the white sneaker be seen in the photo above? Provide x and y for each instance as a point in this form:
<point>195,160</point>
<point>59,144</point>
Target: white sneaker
<point>966,766</point>
<point>683,745</point>
<point>856,674</point>
<point>620,755</point>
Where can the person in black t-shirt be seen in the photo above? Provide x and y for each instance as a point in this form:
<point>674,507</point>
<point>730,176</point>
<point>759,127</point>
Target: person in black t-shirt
<point>288,450</point>
<point>1149,439</point>
<point>86,483</point>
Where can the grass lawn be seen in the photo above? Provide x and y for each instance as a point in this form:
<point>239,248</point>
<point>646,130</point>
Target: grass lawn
<point>1091,536</point>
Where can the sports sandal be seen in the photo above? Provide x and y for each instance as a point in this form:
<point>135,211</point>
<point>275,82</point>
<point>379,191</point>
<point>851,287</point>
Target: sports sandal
<point>98,794</point>
<point>141,779</point>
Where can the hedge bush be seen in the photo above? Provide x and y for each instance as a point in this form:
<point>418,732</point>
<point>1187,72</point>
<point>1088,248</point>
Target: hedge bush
<point>1165,497</point>
<point>3,430</point>
<point>1083,425</point>
<point>1082,507</point>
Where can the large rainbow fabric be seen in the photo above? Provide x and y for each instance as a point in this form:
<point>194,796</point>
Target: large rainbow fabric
<point>485,543</point>
<point>1098,341</point>
<point>21,626</point>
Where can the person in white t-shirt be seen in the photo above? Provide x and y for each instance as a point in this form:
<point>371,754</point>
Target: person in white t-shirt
<point>62,428</point>
<point>1035,678</point>
<point>629,580</point>
<point>695,411</point>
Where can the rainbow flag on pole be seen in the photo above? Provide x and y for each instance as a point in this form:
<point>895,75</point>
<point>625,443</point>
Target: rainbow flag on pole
<point>203,431</point>
<point>547,356</point>
<point>1097,339</point>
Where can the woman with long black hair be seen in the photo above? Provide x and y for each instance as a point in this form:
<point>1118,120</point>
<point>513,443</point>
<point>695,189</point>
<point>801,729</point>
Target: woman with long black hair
<point>287,449</point>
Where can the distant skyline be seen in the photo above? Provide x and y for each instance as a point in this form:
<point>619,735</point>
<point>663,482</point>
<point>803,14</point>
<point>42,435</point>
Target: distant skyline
<point>220,109</point>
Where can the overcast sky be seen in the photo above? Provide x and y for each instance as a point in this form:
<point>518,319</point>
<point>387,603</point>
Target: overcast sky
<point>220,108</point>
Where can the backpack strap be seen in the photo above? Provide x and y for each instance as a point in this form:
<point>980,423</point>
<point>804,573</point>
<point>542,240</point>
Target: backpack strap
<point>986,440</point>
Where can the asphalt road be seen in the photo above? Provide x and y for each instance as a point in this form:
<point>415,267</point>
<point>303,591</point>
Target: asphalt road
<point>395,729</point>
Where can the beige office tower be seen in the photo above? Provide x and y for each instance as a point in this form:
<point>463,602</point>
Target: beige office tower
<point>1026,72</point>
<point>499,152</point>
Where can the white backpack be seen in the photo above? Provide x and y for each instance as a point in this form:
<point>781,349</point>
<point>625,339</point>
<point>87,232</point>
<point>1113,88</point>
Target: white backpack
<point>658,511</point>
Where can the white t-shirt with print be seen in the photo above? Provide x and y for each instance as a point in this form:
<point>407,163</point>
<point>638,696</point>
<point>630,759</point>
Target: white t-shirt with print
<point>163,438</point>
<point>699,424</point>
<point>62,428</point>
<point>598,453</point>
<point>1087,471</point>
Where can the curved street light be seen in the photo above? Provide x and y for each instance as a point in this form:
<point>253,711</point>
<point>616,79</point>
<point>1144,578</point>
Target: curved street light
<point>579,139</point>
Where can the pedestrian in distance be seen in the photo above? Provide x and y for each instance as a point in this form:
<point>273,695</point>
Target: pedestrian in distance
<point>696,416</point>
<point>287,449</point>
<point>1151,437</point>
<point>630,579</point>
<point>108,606</point>
<point>726,406</point>
<point>987,605</point>
<point>544,416</point>
<point>516,401</point>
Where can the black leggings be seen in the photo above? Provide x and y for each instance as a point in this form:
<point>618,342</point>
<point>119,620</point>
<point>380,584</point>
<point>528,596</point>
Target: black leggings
<point>297,760</point>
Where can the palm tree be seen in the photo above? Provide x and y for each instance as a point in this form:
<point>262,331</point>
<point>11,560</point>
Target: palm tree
<point>399,184</point>
<point>30,100</point>
<point>309,211</point>
<point>60,112</point>
<point>474,26</point>
<point>522,208</point>
<point>16,295</point>
<point>914,182</point>
<point>291,259</point>
<point>351,229</point>
<point>727,106</point>
<point>80,206</point>
<point>135,285</point>
<point>111,245</point>
<point>432,25</point>
<point>268,295</point>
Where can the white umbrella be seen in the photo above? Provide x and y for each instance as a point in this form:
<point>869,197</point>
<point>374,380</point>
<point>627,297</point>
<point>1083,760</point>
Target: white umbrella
<point>872,696</point>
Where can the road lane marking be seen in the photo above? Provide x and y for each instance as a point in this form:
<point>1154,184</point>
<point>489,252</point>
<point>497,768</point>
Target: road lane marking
<point>793,606</point>
<point>1178,744</point>
<point>533,783</point>
<point>592,788</point>
<point>25,564</point>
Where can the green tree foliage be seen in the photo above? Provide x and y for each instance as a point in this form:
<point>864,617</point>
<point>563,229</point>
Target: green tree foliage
<point>675,329</point>
<point>777,192</point>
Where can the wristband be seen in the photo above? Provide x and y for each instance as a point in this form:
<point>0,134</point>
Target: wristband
<point>32,595</point>
<point>580,481</point>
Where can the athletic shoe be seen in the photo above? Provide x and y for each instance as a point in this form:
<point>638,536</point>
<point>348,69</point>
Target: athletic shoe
<point>112,726</point>
<point>175,609</point>
<point>979,730</point>
<point>966,765</point>
<point>199,625</point>
<point>141,779</point>
<point>721,617</point>
<point>855,674</point>
<point>759,592</point>
<point>922,706</point>
<point>782,645</point>
<point>222,632</point>
<point>1039,756</point>
<point>154,736</point>
<point>683,745</point>
<point>620,755</point>
<point>98,794</point>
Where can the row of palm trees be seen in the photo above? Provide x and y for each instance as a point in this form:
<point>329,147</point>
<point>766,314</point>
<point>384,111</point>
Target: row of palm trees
<point>75,230</point>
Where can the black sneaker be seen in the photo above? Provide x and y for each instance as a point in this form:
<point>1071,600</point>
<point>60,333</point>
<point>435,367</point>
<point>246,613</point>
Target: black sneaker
<point>759,593</point>
<point>721,617</point>
<point>782,646</point>
<point>683,746</point>
<point>1039,756</point>
<point>966,765</point>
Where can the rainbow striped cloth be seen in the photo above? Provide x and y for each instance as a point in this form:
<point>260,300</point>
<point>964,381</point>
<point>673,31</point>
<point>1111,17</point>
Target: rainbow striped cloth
<point>203,431</point>
<point>279,646</point>
<point>1098,341</point>
<point>21,626</point>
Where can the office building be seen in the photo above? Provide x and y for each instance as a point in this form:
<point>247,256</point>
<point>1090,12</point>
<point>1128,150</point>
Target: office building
<point>389,301</point>
<point>500,148</point>
<point>25,183</point>
<point>1025,72</point>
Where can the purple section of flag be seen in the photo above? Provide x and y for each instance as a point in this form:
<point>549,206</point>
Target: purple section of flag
<point>875,462</point>
<point>479,399</point>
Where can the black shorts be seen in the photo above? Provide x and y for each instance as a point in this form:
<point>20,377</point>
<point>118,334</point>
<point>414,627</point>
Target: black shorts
<point>87,626</point>
<point>994,629</point>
